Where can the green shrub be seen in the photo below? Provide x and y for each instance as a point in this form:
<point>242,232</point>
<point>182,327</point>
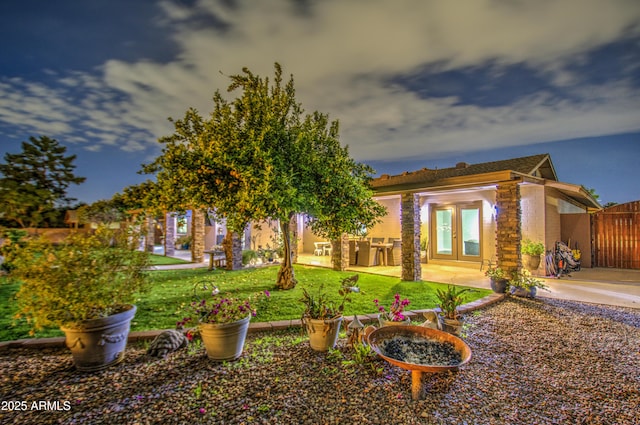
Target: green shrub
<point>86,276</point>
<point>532,248</point>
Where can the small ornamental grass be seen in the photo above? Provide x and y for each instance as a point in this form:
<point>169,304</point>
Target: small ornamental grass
<point>319,306</point>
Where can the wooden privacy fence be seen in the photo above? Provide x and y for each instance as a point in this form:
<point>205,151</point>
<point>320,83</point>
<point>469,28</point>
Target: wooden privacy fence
<point>616,233</point>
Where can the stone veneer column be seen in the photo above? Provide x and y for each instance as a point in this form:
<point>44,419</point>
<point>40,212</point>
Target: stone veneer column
<point>509,227</point>
<point>340,253</point>
<point>150,233</point>
<point>169,234</point>
<point>410,222</point>
<point>197,233</point>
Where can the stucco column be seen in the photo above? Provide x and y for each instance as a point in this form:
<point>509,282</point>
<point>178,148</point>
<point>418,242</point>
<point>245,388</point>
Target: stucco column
<point>410,223</point>
<point>509,227</point>
<point>169,234</point>
<point>340,253</point>
<point>197,233</point>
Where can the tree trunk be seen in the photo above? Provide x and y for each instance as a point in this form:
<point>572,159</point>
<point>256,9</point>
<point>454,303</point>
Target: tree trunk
<point>232,246</point>
<point>286,276</point>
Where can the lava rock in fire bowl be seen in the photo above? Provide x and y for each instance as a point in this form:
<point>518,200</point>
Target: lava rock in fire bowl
<point>419,348</point>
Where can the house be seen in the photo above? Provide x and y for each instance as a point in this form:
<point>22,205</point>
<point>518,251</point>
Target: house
<point>472,213</point>
<point>481,212</point>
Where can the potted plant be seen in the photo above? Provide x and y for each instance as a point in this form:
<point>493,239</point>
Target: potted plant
<point>322,318</point>
<point>448,302</point>
<point>499,279</point>
<point>86,285</point>
<point>395,315</point>
<point>184,241</point>
<point>524,285</point>
<point>222,319</point>
<point>532,252</point>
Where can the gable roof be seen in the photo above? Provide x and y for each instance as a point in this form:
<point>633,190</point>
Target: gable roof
<point>535,168</point>
<point>539,166</point>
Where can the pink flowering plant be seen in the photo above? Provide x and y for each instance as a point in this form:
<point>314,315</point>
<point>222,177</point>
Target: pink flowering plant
<point>395,313</point>
<point>212,306</point>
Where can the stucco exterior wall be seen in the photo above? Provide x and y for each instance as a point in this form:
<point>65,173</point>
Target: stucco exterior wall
<point>553,224</point>
<point>534,213</point>
<point>390,226</point>
<point>576,229</point>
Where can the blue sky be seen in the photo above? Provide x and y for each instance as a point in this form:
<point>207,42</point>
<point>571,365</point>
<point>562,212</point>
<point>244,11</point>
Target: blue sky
<point>414,83</point>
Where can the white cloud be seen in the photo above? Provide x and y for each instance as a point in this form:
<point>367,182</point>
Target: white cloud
<point>342,54</point>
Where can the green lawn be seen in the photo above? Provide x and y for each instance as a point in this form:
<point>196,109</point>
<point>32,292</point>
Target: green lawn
<point>161,260</point>
<point>160,308</point>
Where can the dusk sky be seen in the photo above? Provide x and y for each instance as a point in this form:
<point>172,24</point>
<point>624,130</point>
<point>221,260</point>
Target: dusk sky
<point>414,83</point>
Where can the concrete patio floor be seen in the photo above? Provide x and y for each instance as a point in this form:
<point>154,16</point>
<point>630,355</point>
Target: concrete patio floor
<point>619,287</point>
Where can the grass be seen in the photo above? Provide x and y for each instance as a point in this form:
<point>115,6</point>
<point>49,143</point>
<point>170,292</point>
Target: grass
<point>161,260</point>
<point>171,290</point>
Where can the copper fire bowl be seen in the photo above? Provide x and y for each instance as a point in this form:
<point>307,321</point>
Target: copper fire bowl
<point>387,332</point>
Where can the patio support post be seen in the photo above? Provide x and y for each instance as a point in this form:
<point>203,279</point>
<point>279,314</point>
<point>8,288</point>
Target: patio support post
<point>340,253</point>
<point>169,234</point>
<point>232,246</point>
<point>410,223</point>
<point>509,227</point>
<point>150,232</point>
<point>197,233</point>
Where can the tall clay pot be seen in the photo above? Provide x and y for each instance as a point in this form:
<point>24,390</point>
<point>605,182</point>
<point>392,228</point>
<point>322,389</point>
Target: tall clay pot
<point>531,262</point>
<point>224,341</point>
<point>99,343</point>
<point>323,334</point>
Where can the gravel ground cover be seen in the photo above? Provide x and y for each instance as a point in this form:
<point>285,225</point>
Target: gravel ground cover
<point>540,361</point>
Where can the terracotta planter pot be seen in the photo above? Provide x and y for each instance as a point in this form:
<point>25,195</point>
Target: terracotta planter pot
<point>385,322</point>
<point>531,262</point>
<point>99,343</point>
<point>224,341</point>
<point>323,334</point>
<point>452,326</point>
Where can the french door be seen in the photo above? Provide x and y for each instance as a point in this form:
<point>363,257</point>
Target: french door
<point>456,231</point>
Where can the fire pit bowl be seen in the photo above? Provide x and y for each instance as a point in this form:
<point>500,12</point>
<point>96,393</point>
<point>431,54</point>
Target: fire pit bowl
<point>379,337</point>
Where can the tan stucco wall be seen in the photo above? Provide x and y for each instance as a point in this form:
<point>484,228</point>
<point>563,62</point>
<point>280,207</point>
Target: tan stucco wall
<point>534,213</point>
<point>390,226</point>
<point>576,230</point>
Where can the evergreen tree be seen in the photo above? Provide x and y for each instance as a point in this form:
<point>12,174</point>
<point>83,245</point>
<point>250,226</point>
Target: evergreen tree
<point>34,183</point>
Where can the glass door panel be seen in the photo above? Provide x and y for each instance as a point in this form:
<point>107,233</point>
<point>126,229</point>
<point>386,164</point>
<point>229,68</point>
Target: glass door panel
<point>444,241</point>
<point>470,231</point>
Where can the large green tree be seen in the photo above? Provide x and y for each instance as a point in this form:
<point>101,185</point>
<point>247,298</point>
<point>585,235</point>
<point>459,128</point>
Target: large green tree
<point>34,182</point>
<point>259,156</point>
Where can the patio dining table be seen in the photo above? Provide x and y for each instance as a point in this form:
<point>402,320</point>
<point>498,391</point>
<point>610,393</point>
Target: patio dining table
<point>383,248</point>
